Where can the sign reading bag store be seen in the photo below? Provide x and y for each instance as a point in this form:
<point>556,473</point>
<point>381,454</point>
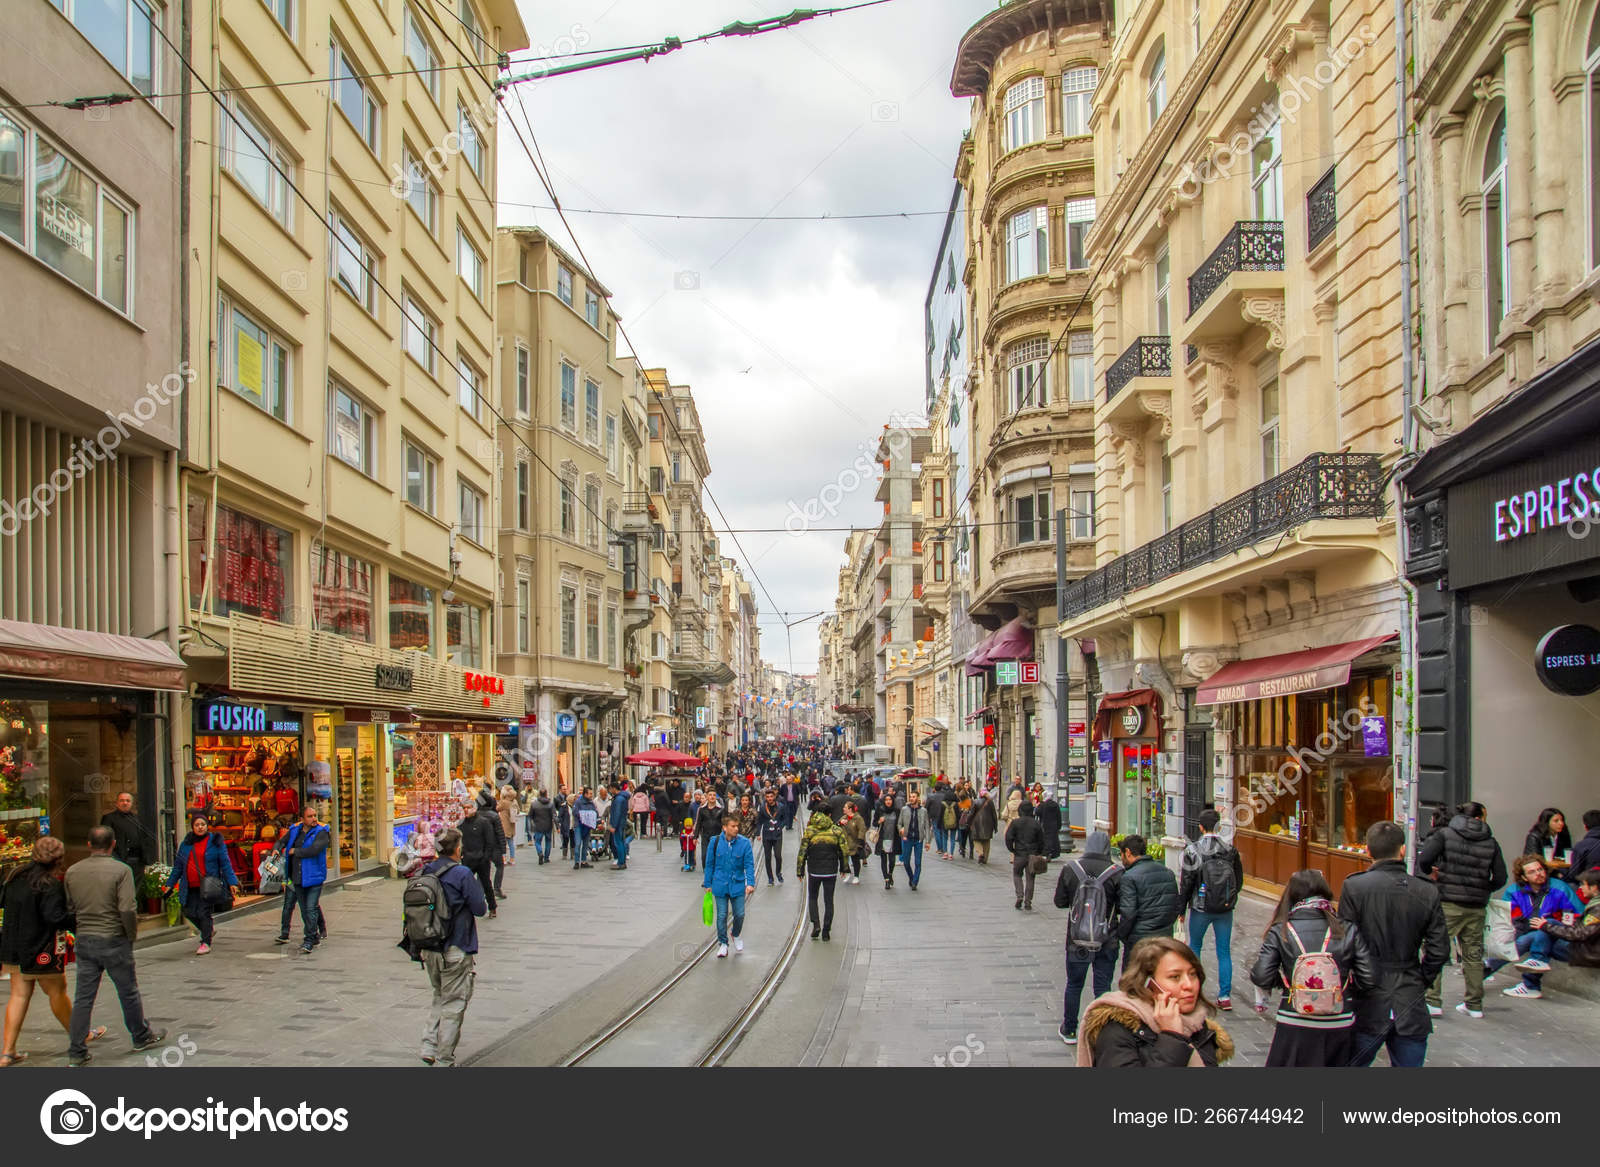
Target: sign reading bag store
<point>230,717</point>
<point>1540,514</point>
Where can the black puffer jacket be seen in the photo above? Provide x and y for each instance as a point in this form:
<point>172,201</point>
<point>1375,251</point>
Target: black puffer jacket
<point>1402,919</point>
<point>35,909</point>
<point>1470,866</point>
<point>1147,900</point>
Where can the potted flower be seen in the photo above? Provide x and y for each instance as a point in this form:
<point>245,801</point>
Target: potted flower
<point>155,878</point>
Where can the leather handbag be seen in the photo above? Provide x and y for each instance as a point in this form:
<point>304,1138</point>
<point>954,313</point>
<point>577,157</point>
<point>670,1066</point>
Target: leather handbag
<point>1038,864</point>
<point>214,889</point>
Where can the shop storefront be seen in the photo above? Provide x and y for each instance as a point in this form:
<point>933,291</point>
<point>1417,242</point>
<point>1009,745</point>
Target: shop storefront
<point>80,723</point>
<point>1309,736</point>
<point>248,777</point>
<point>1127,735</point>
<point>1502,542</point>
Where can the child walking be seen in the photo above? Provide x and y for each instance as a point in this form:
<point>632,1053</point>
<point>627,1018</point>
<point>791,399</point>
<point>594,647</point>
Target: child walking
<point>686,838</point>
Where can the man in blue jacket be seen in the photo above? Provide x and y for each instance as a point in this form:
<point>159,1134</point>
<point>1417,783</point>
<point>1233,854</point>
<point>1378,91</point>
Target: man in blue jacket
<point>730,867</point>
<point>452,970</point>
<point>617,818</point>
<point>306,849</point>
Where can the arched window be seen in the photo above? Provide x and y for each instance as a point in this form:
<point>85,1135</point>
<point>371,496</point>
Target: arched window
<point>1025,112</point>
<point>1155,99</point>
<point>1591,137</point>
<point>1077,92</point>
<point>1496,269</point>
<point>1028,374</point>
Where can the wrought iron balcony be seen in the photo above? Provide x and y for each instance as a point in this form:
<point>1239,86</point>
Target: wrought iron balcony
<point>1322,210</point>
<point>1324,486</point>
<point>1250,245</point>
<point>1147,356</point>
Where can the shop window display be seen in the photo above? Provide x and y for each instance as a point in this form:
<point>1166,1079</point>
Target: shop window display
<point>249,563</point>
<point>251,789</point>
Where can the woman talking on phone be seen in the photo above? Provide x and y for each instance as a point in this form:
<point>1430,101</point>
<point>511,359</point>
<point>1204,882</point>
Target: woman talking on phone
<point>1157,1015</point>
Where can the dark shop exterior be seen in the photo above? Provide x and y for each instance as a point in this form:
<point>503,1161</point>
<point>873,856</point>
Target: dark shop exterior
<point>1502,530</point>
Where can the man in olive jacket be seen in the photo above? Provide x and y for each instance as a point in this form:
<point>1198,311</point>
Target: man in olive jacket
<point>1401,917</point>
<point>1468,867</point>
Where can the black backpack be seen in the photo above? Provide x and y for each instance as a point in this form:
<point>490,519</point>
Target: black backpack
<point>1219,890</point>
<point>427,909</point>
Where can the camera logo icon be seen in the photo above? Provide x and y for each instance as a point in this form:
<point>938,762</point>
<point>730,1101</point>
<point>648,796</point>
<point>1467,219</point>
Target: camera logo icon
<point>293,281</point>
<point>686,281</point>
<point>885,111</point>
<point>68,1117</point>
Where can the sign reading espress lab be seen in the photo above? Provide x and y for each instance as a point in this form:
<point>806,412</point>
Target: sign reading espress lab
<point>1568,660</point>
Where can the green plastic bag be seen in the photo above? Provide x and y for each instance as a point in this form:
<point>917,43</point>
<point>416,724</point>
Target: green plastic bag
<point>708,911</point>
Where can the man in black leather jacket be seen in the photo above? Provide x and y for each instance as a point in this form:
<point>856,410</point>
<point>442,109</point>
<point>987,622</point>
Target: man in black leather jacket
<point>1401,916</point>
<point>1147,897</point>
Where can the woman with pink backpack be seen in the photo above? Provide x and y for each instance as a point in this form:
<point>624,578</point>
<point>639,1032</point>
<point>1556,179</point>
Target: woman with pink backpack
<point>1320,962</point>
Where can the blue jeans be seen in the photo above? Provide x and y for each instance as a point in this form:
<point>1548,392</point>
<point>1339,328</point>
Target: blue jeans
<point>310,915</point>
<point>541,844</point>
<point>580,844</point>
<point>941,839</point>
<point>911,859</point>
<point>511,845</point>
<point>1079,962</point>
<point>1404,1052</point>
<point>1223,923</point>
<point>527,827</point>
<point>619,844</point>
<point>723,904</point>
<point>1544,946</point>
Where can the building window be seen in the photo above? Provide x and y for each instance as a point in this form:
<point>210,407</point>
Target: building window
<point>938,498</point>
<point>1195,39</point>
<point>354,266</point>
<point>1155,94</point>
<point>74,224</point>
<point>1266,174</point>
<point>252,565</point>
<point>1029,520</point>
<point>524,496</point>
<point>419,51</point>
<point>938,561</point>
<point>355,431</point>
<point>569,509</point>
<point>124,31</point>
<point>1496,243</point>
<point>524,643</point>
<point>1025,113</point>
<point>564,284</point>
<point>1163,275</point>
<point>283,12</point>
<point>470,510</point>
<point>474,27</point>
<point>253,156</point>
<point>655,425</point>
<point>591,308</point>
<point>677,468</point>
<point>1080,218</point>
<point>658,480</point>
<point>1080,367</point>
<point>463,631</point>
<point>612,550</point>
<point>569,398</point>
<point>591,413</point>
<point>1027,244</point>
<point>469,387</point>
<point>471,140</point>
<point>354,99</point>
<point>1028,373</point>
<point>341,593</point>
<point>254,361</point>
<point>1082,502</point>
<point>1166,493</point>
<point>569,620</point>
<point>591,626</point>
<point>658,645</point>
<point>417,334</point>
<point>422,479</point>
<point>611,444</point>
<point>1077,93</point>
<point>469,262</point>
<point>524,382</point>
<point>591,505</point>
<point>421,194</point>
<point>612,654</point>
<point>410,615</point>
<point>1267,378</point>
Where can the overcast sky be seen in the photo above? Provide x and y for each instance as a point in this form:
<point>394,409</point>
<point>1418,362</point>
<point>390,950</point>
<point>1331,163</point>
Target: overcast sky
<point>846,114</point>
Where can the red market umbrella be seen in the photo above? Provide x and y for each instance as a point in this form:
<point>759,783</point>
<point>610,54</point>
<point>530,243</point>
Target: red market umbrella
<point>664,757</point>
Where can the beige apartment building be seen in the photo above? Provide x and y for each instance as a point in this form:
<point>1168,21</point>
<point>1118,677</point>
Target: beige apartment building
<point>1028,171</point>
<point>1248,344</point>
<point>92,395</point>
<point>341,477</point>
<point>564,395</point>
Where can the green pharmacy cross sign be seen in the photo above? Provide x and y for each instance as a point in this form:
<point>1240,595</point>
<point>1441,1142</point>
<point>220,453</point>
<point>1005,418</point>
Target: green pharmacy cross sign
<point>1005,672</point>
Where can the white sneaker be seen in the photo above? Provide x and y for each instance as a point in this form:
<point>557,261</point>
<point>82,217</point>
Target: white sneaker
<point>1520,990</point>
<point>738,944</point>
<point>1435,1011</point>
<point>722,950</point>
<point>1474,1013</point>
<point>1533,964</point>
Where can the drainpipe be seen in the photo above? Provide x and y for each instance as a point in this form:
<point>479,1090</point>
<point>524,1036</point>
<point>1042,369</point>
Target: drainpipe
<point>172,796</point>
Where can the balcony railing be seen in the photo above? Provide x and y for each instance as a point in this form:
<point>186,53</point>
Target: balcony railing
<point>1322,210</point>
<point>635,502</point>
<point>1324,486</point>
<point>1250,245</point>
<point>1147,356</point>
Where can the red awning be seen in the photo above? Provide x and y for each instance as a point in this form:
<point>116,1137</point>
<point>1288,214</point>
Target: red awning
<point>48,653</point>
<point>1113,703</point>
<point>1287,673</point>
<point>1013,640</point>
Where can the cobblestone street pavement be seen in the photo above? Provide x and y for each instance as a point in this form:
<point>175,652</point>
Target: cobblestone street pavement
<point>358,1000</point>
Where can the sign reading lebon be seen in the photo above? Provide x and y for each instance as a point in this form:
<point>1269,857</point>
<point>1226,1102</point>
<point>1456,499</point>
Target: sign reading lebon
<point>1568,660</point>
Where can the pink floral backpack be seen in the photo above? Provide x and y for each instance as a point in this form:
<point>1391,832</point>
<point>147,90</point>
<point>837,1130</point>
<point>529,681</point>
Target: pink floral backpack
<point>1316,988</point>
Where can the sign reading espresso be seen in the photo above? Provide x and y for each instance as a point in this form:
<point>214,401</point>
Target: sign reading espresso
<point>1568,660</point>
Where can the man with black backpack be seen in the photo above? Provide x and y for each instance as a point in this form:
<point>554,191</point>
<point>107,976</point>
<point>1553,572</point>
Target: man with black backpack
<point>1087,887</point>
<point>1213,874</point>
<point>440,907</point>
